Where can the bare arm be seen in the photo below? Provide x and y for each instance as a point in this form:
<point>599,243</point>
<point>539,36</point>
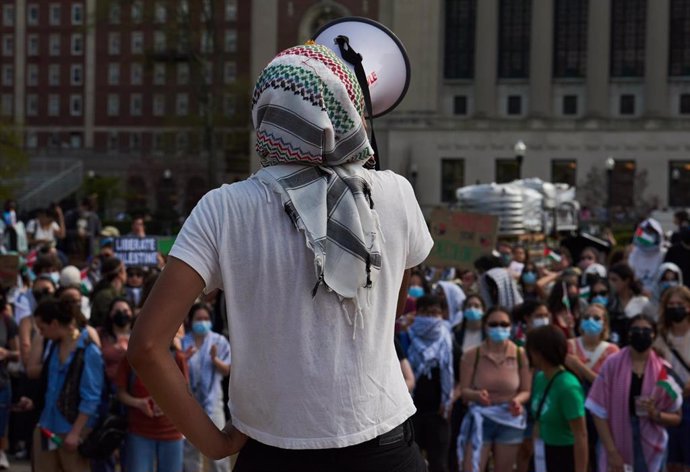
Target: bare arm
<point>408,375</point>
<point>60,220</point>
<point>614,458</point>
<point>34,364</point>
<point>25,343</point>
<point>149,355</point>
<point>579,428</point>
<point>524,392</point>
<point>402,295</point>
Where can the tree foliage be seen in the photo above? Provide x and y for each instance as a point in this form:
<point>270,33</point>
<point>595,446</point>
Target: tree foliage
<point>13,162</point>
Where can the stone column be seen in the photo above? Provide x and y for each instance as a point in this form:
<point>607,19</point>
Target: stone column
<point>541,58</point>
<point>598,52</point>
<point>486,58</point>
<point>656,58</point>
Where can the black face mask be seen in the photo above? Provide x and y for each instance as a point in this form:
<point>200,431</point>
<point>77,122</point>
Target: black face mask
<point>676,314</point>
<point>641,340</point>
<point>121,319</point>
<point>39,295</point>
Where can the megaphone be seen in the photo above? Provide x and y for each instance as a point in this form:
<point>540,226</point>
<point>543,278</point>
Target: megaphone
<point>383,58</point>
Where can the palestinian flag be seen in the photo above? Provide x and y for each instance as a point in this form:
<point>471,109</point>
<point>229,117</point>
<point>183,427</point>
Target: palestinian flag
<point>565,299</point>
<point>644,239</point>
<point>584,292</point>
<point>669,385</point>
<point>552,255</point>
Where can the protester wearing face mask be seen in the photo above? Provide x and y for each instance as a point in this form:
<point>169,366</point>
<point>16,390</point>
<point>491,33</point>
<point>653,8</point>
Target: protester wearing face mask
<point>527,316</point>
<point>668,276</point>
<point>648,252</point>
<point>674,343</point>
<point>431,355</point>
<point>452,298</point>
<point>495,380</point>
<point>633,399</point>
<point>528,283</point>
<point>586,355</point>
<point>208,359</point>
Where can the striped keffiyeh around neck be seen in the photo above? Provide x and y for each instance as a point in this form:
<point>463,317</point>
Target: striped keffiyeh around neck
<point>307,109</point>
<point>432,346</point>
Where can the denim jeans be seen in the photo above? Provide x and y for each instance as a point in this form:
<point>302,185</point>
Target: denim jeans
<point>395,451</point>
<point>640,464</point>
<point>143,453</point>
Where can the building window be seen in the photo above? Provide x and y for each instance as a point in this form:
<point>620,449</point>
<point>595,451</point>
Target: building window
<point>182,11</point>
<point>231,41</point>
<point>8,45</point>
<point>182,104</point>
<point>113,73</point>
<point>114,13</point>
<point>207,72</point>
<point>75,105</point>
<point>113,104</point>
<point>570,104</point>
<point>564,171</point>
<point>206,11</point>
<point>679,45</point>
<point>514,105</point>
<point>679,184</point>
<point>32,15</point>
<point>53,105</point>
<point>159,41</point>
<point>32,45</point>
<point>627,104</point>
<point>77,44</point>
<point>628,29</point>
<point>159,105</point>
<point>135,104</point>
<point>206,42</point>
<point>54,75</point>
<point>452,177</point>
<point>159,14</point>
<point>136,74</point>
<point>230,72</point>
<point>137,42</point>
<point>507,170</point>
<point>182,74</point>
<point>181,141</point>
<point>159,74</point>
<point>137,12</point>
<point>460,105</point>
<point>113,141</point>
<point>77,14</point>
<point>514,38</point>
<point>6,105</point>
<point>623,184</point>
<point>75,140</point>
<point>8,15</point>
<point>54,45</point>
<point>76,74</point>
<point>135,141</point>
<point>684,104</point>
<point>31,105</point>
<point>229,105</point>
<point>230,10</point>
<point>570,38</point>
<point>31,140</point>
<point>54,14</point>
<point>113,44</point>
<point>158,142</point>
<point>458,61</point>
<point>7,75</point>
<point>32,75</point>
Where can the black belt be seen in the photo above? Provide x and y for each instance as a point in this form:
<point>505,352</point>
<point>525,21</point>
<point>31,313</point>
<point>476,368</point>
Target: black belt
<point>400,433</point>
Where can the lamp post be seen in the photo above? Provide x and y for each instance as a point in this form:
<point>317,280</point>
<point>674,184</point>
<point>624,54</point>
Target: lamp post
<point>610,164</point>
<point>675,177</point>
<point>520,150</point>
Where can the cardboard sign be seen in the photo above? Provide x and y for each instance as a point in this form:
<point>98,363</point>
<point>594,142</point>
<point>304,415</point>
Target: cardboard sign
<point>9,269</point>
<point>461,237</point>
<point>137,252</point>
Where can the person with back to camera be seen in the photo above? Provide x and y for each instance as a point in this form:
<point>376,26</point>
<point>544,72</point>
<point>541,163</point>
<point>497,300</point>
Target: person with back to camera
<point>315,384</point>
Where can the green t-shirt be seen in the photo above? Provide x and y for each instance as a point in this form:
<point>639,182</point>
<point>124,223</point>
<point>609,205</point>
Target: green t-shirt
<point>564,402</point>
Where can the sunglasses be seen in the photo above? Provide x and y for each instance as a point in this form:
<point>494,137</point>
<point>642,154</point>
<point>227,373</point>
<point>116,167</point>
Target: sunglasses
<point>592,317</point>
<point>600,294</point>
<point>496,324</point>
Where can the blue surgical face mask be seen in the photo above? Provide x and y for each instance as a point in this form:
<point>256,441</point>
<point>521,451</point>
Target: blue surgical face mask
<point>592,326</point>
<point>201,327</point>
<point>666,284</point>
<point>506,259</point>
<point>498,334</point>
<point>600,299</point>
<point>539,322</point>
<point>415,291</point>
<point>474,314</point>
<point>530,278</point>
<point>55,277</point>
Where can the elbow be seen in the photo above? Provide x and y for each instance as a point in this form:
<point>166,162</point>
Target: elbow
<point>139,351</point>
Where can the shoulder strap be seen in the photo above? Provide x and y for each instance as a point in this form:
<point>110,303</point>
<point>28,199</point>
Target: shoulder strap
<point>476,363</point>
<point>519,357</point>
<point>537,415</point>
<point>680,359</point>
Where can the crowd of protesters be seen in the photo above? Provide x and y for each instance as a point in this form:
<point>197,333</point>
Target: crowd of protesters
<point>64,333</point>
<point>544,360</point>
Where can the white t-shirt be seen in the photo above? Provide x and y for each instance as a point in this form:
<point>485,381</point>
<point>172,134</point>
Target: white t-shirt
<point>40,233</point>
<point>303,376</point>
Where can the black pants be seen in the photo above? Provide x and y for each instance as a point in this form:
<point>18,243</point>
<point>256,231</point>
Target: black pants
<point>560,458</point>
<point>432,433</point>
<point>394,451</point>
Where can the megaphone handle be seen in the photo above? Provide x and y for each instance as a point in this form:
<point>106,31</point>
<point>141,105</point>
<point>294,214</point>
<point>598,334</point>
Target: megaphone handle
<point>354,58</point>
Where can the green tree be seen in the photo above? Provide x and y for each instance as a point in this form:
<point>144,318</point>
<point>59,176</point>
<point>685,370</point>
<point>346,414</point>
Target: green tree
<point>13,161</point>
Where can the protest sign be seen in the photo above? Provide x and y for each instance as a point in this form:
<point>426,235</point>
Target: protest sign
<point>461,237</point>
<point>137,252</point>
<point>9,269</point>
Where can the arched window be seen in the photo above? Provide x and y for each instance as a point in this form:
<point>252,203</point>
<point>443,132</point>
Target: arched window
<point>319,15</point>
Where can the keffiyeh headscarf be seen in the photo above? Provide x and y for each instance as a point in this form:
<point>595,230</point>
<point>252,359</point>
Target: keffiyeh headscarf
<point>307,109</point>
